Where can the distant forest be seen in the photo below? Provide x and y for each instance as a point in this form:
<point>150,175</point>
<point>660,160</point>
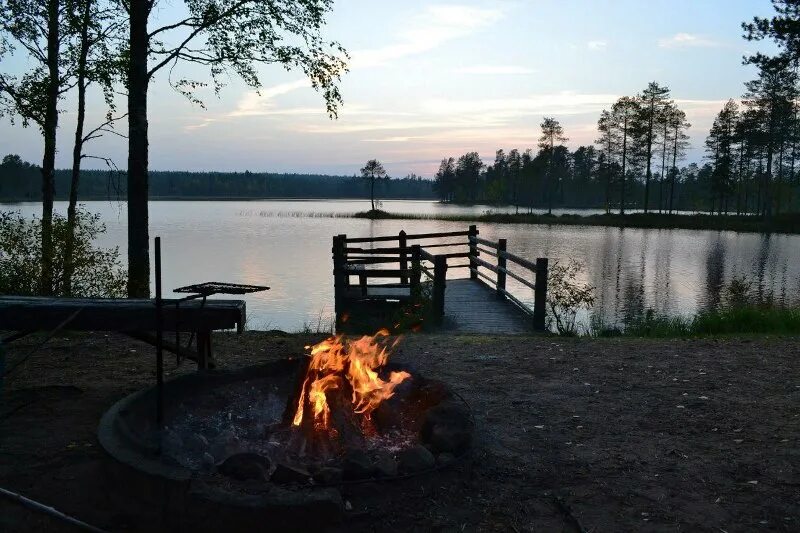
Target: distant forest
<point>751,165</point>
<point>22,181</point>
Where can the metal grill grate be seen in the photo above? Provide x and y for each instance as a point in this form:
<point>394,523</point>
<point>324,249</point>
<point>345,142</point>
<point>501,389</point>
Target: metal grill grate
<point>216,287</point>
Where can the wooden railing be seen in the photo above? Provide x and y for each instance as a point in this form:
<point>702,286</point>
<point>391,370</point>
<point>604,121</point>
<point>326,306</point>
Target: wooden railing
<point>416,257</point>
<point>536,280</point>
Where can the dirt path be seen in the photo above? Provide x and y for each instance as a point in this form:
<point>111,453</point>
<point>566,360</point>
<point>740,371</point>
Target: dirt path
<point>678,435</point>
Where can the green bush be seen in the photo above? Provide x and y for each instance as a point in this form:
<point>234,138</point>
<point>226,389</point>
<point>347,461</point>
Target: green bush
<point>747,320</point>
<point>97,271</point>
<point>566,296</point>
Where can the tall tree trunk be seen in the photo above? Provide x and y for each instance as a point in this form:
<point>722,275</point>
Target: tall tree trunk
<point>767,193</point>
<point>779,179</point>
<point>550,179</point>
<point>138,80</point>
<point>740,179</point>
<point>77,152</point>
<point>649,173</point>
<point>372,192</point>
<point>663,167</point>
<point>608,188</point>
<point>624,161</point>
<point>49,158</point>
<point>674,170</point>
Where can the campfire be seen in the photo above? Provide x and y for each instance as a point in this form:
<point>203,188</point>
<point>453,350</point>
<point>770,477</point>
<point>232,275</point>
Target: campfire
<point>291,431</point>
<point>343,382</point>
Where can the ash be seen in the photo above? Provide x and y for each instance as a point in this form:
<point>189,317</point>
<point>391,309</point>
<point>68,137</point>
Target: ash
<point>204,430</point>
<point>229,419</point>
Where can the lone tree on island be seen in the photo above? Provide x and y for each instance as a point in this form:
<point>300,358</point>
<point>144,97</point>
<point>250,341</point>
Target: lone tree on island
<point>372,170</point>
<point>552,133</point>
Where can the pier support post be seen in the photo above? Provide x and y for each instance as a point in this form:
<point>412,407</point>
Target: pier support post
<point>403,259</point>
<point>416,272</point>
<point>501,268</point>
<point>339,277</point>
<point>540,295</point>
<point>439,277</point>
<point>473,252</point>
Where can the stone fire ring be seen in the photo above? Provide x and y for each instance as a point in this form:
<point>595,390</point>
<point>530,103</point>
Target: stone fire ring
<point>188,499</point>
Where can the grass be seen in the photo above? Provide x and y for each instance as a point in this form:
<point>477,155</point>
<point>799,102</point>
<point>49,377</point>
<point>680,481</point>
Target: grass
<point>730,321</point>
<point>785,223</point>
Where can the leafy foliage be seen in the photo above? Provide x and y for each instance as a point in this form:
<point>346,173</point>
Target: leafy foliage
<point>97,273</point>
<point>236,36</point>
<point>566,296</point>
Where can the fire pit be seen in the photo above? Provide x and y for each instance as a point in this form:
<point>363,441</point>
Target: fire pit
<point>277,441</point>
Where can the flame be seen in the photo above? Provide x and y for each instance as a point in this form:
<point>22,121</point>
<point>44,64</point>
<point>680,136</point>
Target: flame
<point>357,361</point>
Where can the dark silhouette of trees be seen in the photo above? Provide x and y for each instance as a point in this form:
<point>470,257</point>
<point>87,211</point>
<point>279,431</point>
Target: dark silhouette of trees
<point>678,125</point>
<point>624,113</point>
<point>770,101</point>
<point>610,152</point>
<point>371,171</point>
<point>38,28</point>
<point>552,134</point>
<point>720,150</point>
<point>445,180</point>
<point>18,181</point>
<point>67,41</point>
<point>653,103</point>
<point>468,176</point>
<point>94,23</point>
<point>228,37</point>
<point>783,29</point>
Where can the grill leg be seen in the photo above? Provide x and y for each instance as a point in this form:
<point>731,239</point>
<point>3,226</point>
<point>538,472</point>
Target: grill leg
<point>203,349</point>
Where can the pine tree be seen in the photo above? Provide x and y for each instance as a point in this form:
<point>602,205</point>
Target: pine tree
<point>720,150</point>
<point>653,102</point>
<point>552,135</point>
<point>624,113</point>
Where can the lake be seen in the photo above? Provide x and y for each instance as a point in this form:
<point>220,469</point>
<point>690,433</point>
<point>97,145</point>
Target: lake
<point>287,245</point>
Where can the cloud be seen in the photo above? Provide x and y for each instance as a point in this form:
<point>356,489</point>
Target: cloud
<point>687,40</point>
<point>205,121</point>
<point>397,139</point>
<point>596,45</point>
<point>430,29</point>
<point>257,103</point>
<point>468,114</point>
<point>492,70</point>
<point>560,103</point>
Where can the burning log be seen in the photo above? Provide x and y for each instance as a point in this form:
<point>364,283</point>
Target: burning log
<point>297,391</point>
<point>331,404</point>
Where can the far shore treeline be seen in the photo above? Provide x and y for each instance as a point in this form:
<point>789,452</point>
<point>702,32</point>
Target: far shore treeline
<point>20,181</point>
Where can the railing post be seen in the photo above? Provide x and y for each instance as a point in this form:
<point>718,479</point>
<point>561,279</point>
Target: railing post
<point>2,366</point>
<point>416,271</point>
<point>339,276</point>
<point>343,254</point>
<point>473,252</point>
<point>501,268</point>
<point>540,295</point>
<point>439,276</point>
<point>403,261</point>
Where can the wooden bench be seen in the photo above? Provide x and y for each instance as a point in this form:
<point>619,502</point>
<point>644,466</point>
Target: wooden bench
<point>133,317</point>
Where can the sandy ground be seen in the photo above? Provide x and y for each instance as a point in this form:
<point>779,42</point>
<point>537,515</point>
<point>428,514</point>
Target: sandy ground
<point>652,435</point>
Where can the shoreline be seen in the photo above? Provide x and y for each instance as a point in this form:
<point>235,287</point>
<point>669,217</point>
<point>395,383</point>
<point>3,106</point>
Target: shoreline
<point>787,224</point>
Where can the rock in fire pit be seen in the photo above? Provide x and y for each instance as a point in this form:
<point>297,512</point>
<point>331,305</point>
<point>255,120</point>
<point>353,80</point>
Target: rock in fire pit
<point>277,440</point>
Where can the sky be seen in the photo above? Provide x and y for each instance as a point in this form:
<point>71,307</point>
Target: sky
<point>433,79</point>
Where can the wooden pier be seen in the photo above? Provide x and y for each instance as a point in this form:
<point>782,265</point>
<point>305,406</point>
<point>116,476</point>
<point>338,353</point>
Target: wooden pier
<point>371,272</point>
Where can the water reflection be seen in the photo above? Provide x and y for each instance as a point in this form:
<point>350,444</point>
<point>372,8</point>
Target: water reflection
<point>715,273</point>
<point>669,271</point>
